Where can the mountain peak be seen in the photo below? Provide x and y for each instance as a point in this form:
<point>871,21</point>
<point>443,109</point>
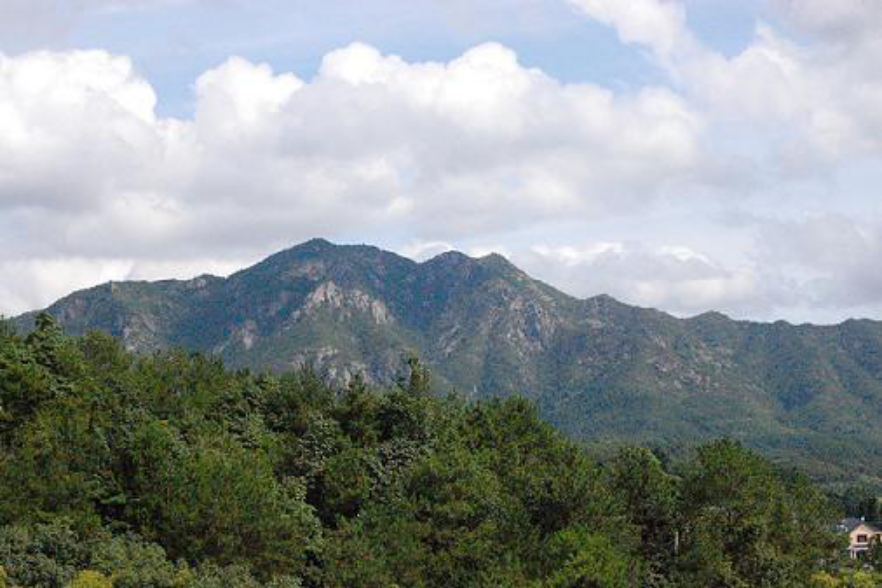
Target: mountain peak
<point>320,246</point>
<point>451,257</point>
<point>315,245</point>
<point>498,261</point>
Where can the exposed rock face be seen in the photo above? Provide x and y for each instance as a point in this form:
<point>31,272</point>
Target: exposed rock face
<point>597,368</point>
<point>329,295</point>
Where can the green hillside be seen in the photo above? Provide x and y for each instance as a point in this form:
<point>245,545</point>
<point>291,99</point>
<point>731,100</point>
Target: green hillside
<point>601,371</point>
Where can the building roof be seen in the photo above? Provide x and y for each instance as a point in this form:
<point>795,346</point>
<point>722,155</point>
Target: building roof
<point>849,525</point>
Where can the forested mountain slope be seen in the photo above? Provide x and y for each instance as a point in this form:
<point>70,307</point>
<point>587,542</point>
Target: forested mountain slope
<point>602,371</point>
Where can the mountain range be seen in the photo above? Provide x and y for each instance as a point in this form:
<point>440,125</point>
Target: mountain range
<point>604,372</point>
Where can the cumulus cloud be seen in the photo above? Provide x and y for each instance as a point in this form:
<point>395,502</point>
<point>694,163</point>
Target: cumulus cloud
<point>835,258</point>
<point>820,268</point>
<point>29,23</point>
<point>846,21</point>
<point>482,143</point>
<point>818,97</point>
<point>660,25</point>
<point>22,282</point>
<point>424,250</point>
<point>676,278</point>
<point>482,149</point>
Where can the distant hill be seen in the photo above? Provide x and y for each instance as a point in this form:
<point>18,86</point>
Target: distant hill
<point>602,371</point>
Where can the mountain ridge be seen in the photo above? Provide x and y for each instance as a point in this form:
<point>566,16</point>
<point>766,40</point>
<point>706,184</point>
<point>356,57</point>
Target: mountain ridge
<point>319,241</point>
<point>601,370</point>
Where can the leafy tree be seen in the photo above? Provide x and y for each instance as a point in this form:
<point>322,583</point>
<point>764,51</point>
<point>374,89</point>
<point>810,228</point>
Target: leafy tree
<point>131,562</point>
<point>861,501</point>
<point>345,484</point>
<point>651,501</point>
<point>590,560</point>
<point>212,576</point>
<point>417,382</point>
<point>91,579</point>
<point>57,466</point>
<point>860,578</point>
<point>216,500</point>
<point>745,524</point>
<point>46,555</point>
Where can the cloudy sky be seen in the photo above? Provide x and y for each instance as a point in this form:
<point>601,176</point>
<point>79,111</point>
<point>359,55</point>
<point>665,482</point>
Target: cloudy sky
<point>682,154</point>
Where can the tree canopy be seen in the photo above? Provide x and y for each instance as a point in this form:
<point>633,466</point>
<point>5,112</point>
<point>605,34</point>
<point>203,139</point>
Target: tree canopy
<point>170,471</point>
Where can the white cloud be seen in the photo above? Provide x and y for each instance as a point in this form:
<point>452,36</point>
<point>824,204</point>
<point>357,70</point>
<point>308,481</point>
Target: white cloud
<point>243,95</point>
<point>835,257</point>
<point>674,278</point>
<point>481,149</point>
<point>846,21</point>
<point>23,281</point>
<point>77,129</point>
<point>657,24</point>
<point>817,100</point>
<point>423,250</point>
<point>41,23</point>
<point>482,143</point>
<point>820,268</point>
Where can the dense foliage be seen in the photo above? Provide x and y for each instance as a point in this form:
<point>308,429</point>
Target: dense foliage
<point>170,471</point>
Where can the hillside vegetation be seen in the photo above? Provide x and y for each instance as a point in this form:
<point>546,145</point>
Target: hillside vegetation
<point>601,371</point>
<point>167,470</point>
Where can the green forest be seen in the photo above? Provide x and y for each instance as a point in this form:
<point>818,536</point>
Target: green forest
<point>169,470</point>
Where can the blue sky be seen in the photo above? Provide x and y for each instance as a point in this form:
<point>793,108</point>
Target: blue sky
<point>172,44</point>
<point>689,155</point>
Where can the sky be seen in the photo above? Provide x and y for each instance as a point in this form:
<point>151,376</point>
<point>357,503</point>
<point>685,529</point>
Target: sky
<point>687,155</point>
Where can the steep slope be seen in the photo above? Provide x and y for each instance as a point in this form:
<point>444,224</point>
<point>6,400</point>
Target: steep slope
<point>600,370</point>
